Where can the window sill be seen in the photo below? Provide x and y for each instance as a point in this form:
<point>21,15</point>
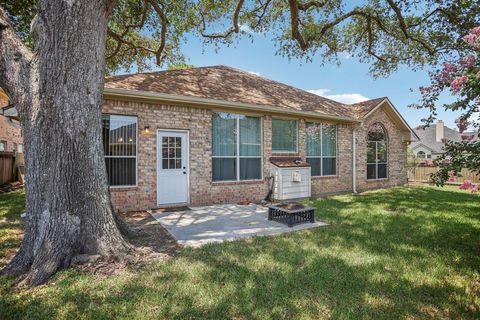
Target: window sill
<point>377,180</point>
<point>285,154</point>
<point>122,188</point>
<point>239,182</point>
<point>325,177</point>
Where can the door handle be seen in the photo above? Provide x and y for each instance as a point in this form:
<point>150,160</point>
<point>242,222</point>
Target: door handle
<point>184,172</point>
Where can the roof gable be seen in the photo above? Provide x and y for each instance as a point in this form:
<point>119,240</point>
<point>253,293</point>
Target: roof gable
<point>365,109</point>
<point>419,144</point>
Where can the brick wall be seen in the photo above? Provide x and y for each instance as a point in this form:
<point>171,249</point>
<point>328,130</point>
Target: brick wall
<point>198,122</point>
<point>10,132</point>
<point>397,154</point>
<point>203,191</point>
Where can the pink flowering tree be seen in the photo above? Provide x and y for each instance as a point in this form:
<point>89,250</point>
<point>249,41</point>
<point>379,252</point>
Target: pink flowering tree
<point>461,77</point>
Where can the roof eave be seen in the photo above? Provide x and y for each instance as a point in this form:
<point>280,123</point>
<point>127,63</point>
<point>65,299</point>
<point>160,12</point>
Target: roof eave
<point>147,96</point>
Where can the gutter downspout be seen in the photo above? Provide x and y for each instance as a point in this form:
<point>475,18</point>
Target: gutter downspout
<point>354,161</point>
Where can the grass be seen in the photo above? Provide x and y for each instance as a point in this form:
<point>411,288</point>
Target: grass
<point>411,253</point>
<point>11,206</point>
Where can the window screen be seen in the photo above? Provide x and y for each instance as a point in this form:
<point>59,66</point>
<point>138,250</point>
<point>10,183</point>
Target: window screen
<point>120,148</point>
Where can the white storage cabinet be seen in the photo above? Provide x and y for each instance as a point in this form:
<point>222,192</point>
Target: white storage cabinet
<point>291,182</point>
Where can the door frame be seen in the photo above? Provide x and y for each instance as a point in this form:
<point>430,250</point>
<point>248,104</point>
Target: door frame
<point>158,166</point>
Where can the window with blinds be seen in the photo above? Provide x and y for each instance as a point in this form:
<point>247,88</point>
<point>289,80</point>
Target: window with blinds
<point>284,136</point>
<point>120,147</point>
<point>236,147</point>
<point>322,148</point>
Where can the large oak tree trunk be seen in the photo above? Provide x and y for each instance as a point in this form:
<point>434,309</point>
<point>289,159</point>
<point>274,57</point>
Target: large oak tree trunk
<point>67,197</point>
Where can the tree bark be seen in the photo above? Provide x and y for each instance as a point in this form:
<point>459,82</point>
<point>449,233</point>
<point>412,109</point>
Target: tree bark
<point>67,197</point>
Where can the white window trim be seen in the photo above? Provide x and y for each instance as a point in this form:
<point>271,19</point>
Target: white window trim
<point>4,144</point>
<point>321,150</point>
<point>296,143</point>
<point>238,157</point>
<point>135,156</point>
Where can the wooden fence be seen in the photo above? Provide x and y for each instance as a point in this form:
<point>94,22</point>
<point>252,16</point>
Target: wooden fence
<point>422,174</point>
<point>8,168</point>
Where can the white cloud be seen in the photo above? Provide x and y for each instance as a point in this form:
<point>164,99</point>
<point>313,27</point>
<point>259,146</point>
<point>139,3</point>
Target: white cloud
<point>255,73</point>
<point>246,29</point>
<point>347,98</point>
<point>319,92</point>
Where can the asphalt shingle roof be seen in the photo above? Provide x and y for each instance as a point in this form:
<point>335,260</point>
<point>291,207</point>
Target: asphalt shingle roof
<point>361,109</point>
<point>428,137</point>
<point>230,84</point>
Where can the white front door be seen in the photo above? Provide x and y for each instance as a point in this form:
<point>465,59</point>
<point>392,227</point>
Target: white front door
<point>172,167</point>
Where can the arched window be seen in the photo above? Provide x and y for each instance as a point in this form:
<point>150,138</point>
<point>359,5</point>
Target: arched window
<point>377,146</point>
<point>421,154</point>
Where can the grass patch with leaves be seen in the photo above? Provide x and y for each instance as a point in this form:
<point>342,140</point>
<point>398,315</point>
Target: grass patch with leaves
<point>400,253</point>
<point>11,225</point>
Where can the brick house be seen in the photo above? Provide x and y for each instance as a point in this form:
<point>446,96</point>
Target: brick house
<point>11,139</point>
<point>209,135</point>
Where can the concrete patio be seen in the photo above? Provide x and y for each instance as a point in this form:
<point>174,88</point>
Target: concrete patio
<point>218,223</point>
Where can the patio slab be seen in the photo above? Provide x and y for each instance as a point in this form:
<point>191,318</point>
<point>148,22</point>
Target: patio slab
<point>218,223</point>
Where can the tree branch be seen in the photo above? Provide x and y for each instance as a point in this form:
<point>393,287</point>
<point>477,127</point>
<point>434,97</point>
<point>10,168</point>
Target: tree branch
<point>163,32</point>
<point>235,26</point>
<point>15,64</point>
<point>371,41</point>
<point>294,22</point>
<point>404,27</point>
<point>259,17</point>
<point>120,39</point>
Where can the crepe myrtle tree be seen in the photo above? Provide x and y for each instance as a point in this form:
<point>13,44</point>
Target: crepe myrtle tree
<point>54,55</point>
<point>461,77</point>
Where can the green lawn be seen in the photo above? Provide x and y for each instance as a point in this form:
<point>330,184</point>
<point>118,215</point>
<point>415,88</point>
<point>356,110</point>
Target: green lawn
<point>410,253</point>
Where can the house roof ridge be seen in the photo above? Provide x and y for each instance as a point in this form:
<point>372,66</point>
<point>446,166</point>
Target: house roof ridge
<point>368,101</point>
<point>227,67</point>
<point>160,71</point>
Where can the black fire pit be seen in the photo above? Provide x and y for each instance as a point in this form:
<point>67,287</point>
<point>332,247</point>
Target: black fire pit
<point>291,213</point>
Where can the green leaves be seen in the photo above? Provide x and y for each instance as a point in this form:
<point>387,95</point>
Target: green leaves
<point>386,34</point>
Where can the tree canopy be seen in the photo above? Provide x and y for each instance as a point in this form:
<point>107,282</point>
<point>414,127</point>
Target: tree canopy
<point>384,33</point>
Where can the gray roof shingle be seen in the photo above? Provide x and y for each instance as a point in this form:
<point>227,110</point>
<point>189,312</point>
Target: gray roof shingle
<point>428,137</point>
<point>230,84</point>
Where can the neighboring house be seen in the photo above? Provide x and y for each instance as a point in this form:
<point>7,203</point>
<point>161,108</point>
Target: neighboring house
<point>432,139</point>
<point>208,135</point>
<point>10,131</point>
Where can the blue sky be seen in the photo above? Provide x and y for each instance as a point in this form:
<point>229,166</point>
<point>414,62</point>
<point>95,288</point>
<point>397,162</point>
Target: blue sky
<point>347,82</point>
